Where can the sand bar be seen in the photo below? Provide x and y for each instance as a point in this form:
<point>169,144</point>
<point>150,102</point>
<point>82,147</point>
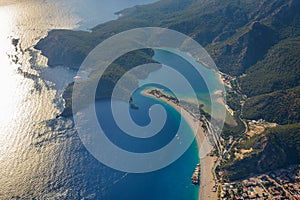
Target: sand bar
<point>207,181</point>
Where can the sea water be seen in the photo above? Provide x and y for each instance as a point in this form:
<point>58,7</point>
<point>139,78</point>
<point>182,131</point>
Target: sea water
<point>171,182</point>
<point>43,157</point>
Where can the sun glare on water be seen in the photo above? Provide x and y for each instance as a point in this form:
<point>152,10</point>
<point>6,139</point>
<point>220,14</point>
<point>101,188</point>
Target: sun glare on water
<point>8,75</point>
<point>14,88</point>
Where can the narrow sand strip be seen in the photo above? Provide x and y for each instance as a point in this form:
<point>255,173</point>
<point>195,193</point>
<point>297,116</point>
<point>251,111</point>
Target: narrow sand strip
<point>207,163</point>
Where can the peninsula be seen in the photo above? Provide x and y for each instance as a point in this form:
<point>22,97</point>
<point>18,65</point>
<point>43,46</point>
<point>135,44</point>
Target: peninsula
<point>255,45</point>
<point>207,179</point>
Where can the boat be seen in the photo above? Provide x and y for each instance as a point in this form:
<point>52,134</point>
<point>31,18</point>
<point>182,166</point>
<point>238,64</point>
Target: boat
<point>196,175</point>
<point>132,104</point>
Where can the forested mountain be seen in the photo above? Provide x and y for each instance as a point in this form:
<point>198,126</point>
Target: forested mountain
<point>258,42</point>
<point>275,148</point>
<point>281,106</point>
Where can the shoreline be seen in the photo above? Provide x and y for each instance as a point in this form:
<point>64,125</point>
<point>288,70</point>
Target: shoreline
<point>207,181</point>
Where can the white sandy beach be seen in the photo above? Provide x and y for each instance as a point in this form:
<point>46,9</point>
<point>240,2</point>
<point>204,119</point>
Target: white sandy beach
<point>207,163</point>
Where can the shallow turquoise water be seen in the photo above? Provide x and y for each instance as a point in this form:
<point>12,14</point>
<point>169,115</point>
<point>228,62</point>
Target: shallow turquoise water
<point>186,66</point>
<point>172,182</point>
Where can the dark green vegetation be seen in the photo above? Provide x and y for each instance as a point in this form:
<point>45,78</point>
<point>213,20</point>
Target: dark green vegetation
<point>234,131</point>
<point>110,77</point>
<point>258,38</point>
<point>275,148</point>
<point>282,106</point>
<point>67,48</point>
<point>233,99</point>
<point>279,70</point>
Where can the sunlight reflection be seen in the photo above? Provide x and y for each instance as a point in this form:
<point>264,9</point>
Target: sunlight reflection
<point>7,68</point>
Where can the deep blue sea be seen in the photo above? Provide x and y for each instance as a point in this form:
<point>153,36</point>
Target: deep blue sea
<point>171,182</point>
<point>42,157</point>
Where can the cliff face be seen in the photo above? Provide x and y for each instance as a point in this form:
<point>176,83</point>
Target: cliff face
<point>66,48</point>
<point>244,50</point>
<point>255,44</point>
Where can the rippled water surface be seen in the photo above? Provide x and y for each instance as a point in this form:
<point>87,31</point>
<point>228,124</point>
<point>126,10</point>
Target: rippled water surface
<point>42,157</point>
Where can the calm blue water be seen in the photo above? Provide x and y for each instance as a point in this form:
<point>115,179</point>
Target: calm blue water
<point>141,118</point>
<point>43,157</point>
<point>172,182</point>
<point>94,12</point>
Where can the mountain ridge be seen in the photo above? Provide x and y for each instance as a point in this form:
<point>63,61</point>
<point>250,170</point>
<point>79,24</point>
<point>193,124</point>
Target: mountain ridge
<point>256,42</point>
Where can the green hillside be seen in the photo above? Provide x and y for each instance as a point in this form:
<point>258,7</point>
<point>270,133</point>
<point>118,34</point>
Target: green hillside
<point>280,69</point>
<point>257,42</point>
<point>282,107</point>
<point>275,148</point>
<point>110,77</point>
